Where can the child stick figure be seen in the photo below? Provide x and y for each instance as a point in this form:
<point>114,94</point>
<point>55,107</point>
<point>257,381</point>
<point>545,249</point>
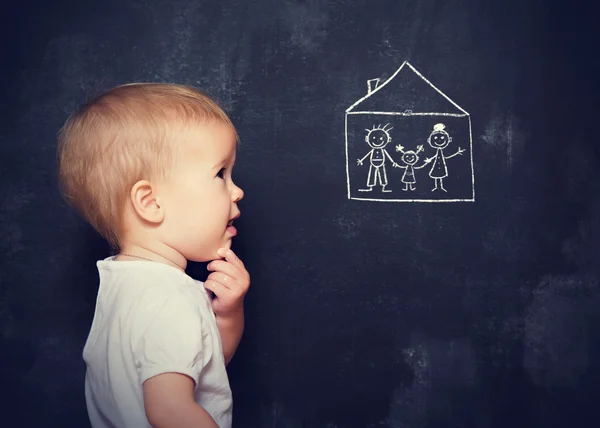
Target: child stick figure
<point>410,158</point>
<point>377,138</point>
<point>439,140</point>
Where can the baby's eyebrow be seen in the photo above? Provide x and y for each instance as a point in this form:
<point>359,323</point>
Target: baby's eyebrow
<point>218,165</point>
<point>231,159</point>
<point>226,161</point>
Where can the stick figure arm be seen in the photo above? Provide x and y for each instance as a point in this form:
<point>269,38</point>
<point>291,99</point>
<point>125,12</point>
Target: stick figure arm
<point>428,160</point>
<point>366,156</point>
<point>458,152</point>
<point>389,157</point>
<point>422,166</point>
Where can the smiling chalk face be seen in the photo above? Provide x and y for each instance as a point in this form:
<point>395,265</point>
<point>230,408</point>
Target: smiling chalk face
<point>378,138</point>
<point>410,158</point>
<point>439,140</point>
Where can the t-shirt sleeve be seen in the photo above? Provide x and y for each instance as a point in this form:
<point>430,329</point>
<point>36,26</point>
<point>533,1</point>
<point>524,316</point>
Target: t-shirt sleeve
<point>172,342</point>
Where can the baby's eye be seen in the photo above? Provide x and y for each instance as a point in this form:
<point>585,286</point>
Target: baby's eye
<point>221,173</point>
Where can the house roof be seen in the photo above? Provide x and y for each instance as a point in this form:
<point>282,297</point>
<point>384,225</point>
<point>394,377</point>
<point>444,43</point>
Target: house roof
<point>406,92</point>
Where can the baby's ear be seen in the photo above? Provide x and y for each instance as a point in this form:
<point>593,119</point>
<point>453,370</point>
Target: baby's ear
<point>366,138</point>
<point>144,199</point>
<point>449,139</point>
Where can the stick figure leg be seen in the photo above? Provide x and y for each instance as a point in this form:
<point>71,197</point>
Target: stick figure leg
<point>442,185</point>
<point>383,179</point>
<point>370,180</point>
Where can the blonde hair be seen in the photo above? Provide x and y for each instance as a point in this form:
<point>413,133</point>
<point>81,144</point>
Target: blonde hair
<point>125,135</point>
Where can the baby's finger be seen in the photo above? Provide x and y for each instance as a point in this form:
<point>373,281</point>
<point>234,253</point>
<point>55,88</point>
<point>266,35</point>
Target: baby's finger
<point>225,267</point>
<point>230,256</point>
<point>223,279</point>
<point>216,287</point>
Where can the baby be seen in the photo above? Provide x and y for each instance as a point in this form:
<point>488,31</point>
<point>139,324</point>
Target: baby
<point>149,167</point>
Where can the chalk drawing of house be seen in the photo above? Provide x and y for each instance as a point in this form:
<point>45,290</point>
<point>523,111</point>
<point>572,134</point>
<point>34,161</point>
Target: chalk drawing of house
<point>406,141</point>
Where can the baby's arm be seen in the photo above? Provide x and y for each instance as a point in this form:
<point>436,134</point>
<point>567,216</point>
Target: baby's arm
<point>231,328</point>
<point>229,281</point>
<point>169,356</point>
<point>169,402</point>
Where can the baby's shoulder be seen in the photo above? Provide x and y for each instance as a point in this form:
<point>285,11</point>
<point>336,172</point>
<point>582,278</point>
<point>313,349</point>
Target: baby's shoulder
<point>166,300</point>
<point>164,285</point>
<point>151,287</point>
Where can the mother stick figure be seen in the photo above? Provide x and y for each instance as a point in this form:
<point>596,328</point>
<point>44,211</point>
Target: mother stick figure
<point>439,140</point>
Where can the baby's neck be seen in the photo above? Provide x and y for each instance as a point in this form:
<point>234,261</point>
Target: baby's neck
<point>157,253</point>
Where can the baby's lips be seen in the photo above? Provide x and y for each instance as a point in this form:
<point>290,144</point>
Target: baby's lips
<point>234,218</point>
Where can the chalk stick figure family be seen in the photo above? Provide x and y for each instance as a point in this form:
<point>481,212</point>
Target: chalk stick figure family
<point>379,137</point>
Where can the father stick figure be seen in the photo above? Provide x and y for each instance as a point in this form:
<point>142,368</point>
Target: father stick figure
<point>377,138</point>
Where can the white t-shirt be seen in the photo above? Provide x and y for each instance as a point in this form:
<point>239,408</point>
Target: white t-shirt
<point>151,318</point>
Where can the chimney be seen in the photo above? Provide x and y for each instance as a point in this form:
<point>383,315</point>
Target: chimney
<point>372,84</point>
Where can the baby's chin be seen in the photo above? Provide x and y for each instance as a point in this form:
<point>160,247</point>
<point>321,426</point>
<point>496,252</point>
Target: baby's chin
<point>209,255</point>
<point>225,244</point>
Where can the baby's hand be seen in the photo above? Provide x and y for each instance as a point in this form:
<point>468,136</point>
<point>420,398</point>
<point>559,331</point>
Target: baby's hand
<point>229,282</point>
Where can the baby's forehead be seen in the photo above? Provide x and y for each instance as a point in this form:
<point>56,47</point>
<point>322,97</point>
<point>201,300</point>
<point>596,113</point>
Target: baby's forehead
<point>216,137</point>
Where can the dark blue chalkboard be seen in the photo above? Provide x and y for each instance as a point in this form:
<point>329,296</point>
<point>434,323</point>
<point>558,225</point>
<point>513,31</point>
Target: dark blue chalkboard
<point>362,313</point>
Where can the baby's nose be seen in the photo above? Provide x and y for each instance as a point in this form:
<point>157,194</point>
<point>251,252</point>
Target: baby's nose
<point>238,193</point>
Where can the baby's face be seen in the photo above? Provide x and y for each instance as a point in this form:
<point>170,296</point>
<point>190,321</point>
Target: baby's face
<point>439,140</point>
<point>378,138</point>
<point>200,197</point>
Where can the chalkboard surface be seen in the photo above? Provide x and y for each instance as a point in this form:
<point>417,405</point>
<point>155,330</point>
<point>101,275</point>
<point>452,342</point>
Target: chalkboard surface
<point>378,299</point>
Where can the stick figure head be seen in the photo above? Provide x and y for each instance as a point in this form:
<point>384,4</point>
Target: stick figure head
<point>439,138</point>
<point>410,158</point>
<point>378,137</point>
